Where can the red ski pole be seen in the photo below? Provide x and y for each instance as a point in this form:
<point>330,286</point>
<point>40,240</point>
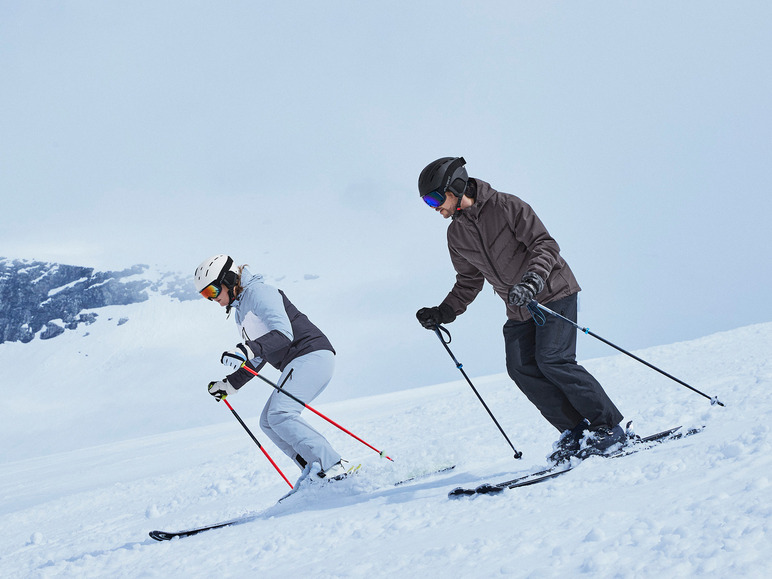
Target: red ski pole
<point>299,401</point>
<point>260,446</point>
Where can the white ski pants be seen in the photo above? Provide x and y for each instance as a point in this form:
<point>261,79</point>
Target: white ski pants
<point>305,377</point>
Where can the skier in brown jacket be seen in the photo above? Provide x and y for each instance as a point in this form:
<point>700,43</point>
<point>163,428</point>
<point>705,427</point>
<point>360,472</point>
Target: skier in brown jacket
<point>498,238</point>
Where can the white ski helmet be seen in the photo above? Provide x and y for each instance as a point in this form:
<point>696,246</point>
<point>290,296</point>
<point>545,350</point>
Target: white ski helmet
<point>218,269</point>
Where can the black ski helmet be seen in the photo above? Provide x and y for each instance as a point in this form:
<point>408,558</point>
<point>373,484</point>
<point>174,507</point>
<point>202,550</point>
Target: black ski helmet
<point>445,174</point>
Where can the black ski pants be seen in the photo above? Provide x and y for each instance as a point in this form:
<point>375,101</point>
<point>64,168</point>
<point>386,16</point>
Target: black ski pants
<point>542,362</point>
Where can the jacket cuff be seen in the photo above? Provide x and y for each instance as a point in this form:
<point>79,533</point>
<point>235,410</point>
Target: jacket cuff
<point>447,314</point>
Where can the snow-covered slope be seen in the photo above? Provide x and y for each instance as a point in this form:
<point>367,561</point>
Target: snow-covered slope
<point>695,507</point>
<point>110,380</point>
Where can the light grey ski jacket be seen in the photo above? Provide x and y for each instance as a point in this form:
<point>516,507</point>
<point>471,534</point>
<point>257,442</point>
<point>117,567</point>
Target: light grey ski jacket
<point>275,330</point>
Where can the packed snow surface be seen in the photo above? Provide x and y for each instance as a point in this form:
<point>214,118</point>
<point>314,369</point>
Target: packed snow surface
<point>82,482</point>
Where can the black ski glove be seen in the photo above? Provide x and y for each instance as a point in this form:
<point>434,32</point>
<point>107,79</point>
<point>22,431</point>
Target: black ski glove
<point>522,293</point>
<point>430,317</point>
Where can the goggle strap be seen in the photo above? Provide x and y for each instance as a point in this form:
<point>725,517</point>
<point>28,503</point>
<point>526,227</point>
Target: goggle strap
<point>224,270</point>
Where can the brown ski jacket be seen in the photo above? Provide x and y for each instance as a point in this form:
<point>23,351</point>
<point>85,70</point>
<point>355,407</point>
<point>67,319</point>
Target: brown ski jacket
<point>498,239</point>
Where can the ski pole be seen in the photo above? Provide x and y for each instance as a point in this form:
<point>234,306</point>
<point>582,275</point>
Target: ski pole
<point>299,401</point>
<point>532,308</point>
<point>260,446</point>
<point>437,329</point>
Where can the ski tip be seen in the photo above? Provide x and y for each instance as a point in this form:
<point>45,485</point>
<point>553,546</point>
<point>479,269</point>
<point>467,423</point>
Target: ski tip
<point>160,535</point>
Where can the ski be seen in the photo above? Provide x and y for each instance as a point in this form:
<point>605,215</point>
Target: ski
<point>556,470</point>
<point>169,535</point>
<point>425,475</point>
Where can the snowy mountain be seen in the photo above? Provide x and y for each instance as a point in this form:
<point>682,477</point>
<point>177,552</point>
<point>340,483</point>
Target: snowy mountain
<point>45,299</point>
<point>110,435</point>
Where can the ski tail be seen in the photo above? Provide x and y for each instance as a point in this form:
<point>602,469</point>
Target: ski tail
<point>524,480</point>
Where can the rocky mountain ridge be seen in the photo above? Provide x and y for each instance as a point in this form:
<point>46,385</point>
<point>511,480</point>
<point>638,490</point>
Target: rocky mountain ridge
<point>44,299</point>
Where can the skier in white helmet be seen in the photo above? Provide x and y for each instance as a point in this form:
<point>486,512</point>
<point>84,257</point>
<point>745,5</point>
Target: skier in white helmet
<point>273,331</point>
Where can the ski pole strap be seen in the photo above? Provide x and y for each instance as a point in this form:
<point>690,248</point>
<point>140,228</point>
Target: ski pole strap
<point>538,316</point>
<point>438,328</point>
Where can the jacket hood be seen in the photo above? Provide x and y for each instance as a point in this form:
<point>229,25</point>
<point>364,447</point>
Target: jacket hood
<point>484,193</point>
<point>248,278</point>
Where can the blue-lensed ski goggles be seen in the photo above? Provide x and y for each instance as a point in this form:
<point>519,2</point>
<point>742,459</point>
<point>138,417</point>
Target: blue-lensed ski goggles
<point>434,199</point>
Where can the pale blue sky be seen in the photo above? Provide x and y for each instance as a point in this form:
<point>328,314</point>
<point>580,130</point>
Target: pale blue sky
<point>291,135</point>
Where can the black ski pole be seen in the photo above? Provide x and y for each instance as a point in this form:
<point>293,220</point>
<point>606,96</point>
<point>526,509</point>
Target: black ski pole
<point>532,307</point>
<point>437,329</point>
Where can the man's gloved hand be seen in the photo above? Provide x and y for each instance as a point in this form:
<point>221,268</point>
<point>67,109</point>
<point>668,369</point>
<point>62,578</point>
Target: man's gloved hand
<point>430,317</point>
<point>221,389</point>
<point>236,357</point>
<point>522,293</point>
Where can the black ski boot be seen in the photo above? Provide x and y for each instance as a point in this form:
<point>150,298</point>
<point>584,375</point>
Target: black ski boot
<point>601,440</point>
<point>569,442</point>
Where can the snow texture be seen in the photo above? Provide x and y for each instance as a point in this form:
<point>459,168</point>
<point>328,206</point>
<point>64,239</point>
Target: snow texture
<point>109,434</point>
